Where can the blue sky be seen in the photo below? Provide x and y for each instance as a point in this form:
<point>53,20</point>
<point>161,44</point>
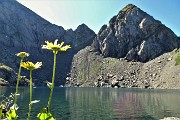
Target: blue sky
<point>95,13</point>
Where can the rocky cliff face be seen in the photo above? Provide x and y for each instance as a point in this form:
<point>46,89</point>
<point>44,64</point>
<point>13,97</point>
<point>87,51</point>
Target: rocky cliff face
<point>23,30</point>
<point>133,50</point>
<point>135,35</point>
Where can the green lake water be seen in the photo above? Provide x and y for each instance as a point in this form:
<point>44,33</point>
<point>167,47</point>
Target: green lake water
<point>101,103</point>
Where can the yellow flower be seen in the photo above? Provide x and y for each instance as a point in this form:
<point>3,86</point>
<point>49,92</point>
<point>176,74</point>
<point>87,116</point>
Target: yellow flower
<point>31,66</point>
<point>55,47</point>
<point>22,54</point>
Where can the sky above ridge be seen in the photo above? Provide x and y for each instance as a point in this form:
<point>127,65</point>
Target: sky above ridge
<point>95,13</point>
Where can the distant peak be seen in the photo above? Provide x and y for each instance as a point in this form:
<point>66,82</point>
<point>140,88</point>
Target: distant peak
<point>83,25</point>
<point>128,7</point>
<point>131,5</point>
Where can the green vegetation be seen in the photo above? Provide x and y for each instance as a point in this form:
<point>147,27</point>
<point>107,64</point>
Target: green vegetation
<point>109,62</point>
<point>177,58</point>
<point>80,76</point>
<point>95,68</point>
<point>9,112</point>
<point>87,70</point>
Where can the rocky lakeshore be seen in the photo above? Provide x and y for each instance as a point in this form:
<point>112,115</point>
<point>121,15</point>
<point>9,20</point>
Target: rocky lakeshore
<point>133,50</point>
<point>91,69</point>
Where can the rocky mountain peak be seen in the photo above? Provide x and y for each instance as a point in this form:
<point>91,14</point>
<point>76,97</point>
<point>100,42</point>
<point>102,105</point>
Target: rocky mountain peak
<point>84,26</point>
<point>127,8</point>
<point>23,30</point>
<point>135,35</point>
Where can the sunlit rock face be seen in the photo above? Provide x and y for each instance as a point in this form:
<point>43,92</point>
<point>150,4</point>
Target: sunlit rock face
<point>23,30</point>
<point>132,50</point>
<point>135,35</point>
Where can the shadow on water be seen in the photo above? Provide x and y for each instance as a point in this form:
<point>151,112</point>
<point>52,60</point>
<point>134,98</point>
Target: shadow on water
<point>101,103</point>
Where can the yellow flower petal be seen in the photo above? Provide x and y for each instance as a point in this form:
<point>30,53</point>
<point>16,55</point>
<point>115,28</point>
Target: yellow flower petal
<point>55,47</point>
<point>38,65</point>
<point>64,48</point>
<point>31,66</point>
<point>62,43</point>
<point>22,54</point>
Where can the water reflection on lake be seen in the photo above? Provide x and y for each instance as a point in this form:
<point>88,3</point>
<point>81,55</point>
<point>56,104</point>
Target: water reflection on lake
<point>102,103</point>
<point>147,104</point>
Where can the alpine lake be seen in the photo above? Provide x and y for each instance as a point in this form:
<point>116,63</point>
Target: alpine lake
<point>72,103</point>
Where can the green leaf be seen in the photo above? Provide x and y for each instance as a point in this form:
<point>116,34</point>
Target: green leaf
<point>11,114</point>
<point>1,109</point>
<point>49,84</point>
<point>45,115</point>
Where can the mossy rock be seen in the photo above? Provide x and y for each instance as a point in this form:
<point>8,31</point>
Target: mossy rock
<point>7,74</point>
<point>6,68</point>
<point>3,82</point>
<point>8,77</point>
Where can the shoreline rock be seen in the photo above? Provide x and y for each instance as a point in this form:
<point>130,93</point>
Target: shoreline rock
<point>8,77</point>
<point>170,118</point>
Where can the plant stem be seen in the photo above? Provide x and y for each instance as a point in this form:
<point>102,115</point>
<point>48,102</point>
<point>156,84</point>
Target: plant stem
<point>17,84</point>
<point>30,98</point>
<point>0,113</point>
<point>53,77</point>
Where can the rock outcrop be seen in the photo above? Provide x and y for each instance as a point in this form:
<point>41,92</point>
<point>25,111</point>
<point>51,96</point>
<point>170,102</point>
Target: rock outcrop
<point>23,30</point>
<point>7,75</point>
<point>133,50</point>
<point>134,35</point>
